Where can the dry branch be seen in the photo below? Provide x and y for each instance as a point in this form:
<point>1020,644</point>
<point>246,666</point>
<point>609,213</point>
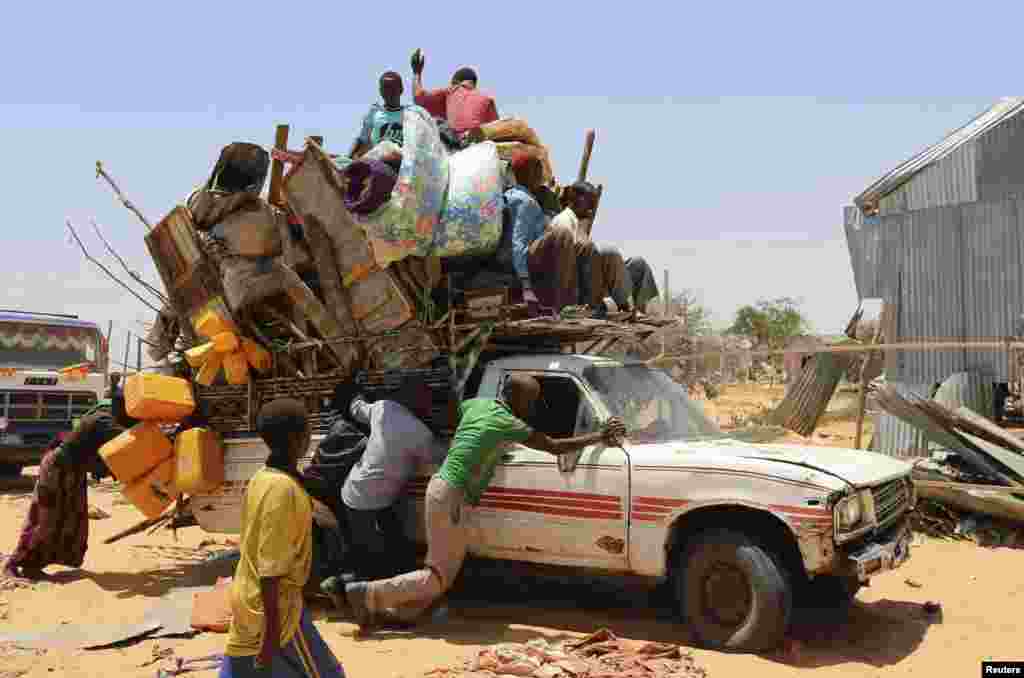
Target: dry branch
<point>100,172</point>
<point>134,275</point>
<point>106,270</point>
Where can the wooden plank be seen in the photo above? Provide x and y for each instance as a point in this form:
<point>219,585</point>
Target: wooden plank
<point>588,148</point>
<point>967,487</point>
<point>275,196</point>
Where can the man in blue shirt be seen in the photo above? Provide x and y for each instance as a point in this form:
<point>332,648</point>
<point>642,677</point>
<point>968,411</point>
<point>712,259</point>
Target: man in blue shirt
<point>382,122</point>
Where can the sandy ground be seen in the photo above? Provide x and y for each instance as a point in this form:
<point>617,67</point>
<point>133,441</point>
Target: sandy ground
<point>886,633</point>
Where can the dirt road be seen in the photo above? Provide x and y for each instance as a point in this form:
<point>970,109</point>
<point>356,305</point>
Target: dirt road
<point>887,633</point>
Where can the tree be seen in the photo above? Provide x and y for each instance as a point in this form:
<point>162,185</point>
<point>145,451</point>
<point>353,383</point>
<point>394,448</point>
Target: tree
<point>770,321</point>
<point>684,305</point>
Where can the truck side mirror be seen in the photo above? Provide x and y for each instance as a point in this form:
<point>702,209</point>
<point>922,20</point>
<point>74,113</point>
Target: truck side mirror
<point>567,462</point>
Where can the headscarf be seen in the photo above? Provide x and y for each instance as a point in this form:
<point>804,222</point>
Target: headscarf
<point>93,432</point>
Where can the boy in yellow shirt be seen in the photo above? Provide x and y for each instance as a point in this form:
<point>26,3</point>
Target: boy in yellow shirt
<point>271,632</point>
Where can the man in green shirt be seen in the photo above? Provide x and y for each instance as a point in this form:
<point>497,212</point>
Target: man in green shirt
<point>486,429</point>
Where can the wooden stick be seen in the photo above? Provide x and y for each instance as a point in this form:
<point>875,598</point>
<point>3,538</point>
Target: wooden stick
<point>106,270</point>
<point>133,274</point>
<point>127,349</point>
<point>990,345</point>
<point>862,396</point>
<point>100,172</point>
<point>106,374</point>
<point>588,148</point>
<point>967,487</point>
<point>275,195</point>
<point>134,529</point>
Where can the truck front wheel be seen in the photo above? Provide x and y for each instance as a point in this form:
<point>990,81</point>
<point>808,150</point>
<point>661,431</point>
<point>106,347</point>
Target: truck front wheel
<point>733,593</point>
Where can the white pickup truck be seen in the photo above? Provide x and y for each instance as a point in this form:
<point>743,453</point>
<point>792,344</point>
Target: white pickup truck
<point>739,530</point>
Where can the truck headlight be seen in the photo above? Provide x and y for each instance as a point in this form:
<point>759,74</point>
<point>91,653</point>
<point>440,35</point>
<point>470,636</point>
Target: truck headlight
<point>849,512</point>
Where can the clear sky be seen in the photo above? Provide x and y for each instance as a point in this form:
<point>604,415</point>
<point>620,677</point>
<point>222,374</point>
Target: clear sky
<point>737,196</point>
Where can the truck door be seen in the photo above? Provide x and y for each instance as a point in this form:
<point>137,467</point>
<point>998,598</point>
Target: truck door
<point>533,511</point>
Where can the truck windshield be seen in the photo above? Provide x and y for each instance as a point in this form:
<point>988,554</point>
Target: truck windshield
<point>654,408</point>
<point>39,346</point>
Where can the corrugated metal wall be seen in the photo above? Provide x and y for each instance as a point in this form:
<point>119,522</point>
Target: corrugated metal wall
<point>952,273</point>
<point>950,181</point>
<point>993,287</point>
<point>1000,171</point>
<point>931,294</point>
<point>863,239</point>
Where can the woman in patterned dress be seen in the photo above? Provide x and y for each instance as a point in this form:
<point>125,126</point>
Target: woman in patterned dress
<point>56,530</point>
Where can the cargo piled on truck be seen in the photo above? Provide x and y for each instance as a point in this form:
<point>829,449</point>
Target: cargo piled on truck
<point>334,274</point>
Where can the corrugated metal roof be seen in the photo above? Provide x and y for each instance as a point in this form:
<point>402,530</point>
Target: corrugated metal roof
<point>1005,108</point>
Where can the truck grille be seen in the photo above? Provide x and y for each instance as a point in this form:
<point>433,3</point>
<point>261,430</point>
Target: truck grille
<point>44,406</point>
<point>891,499</point>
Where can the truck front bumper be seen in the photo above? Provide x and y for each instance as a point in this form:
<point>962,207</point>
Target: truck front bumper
<point>881,553</point>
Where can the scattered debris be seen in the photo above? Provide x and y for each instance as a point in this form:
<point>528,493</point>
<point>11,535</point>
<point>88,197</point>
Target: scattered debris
<point>912,584</point>
<point>180,665</point>
<point>96,513</point>
<point>979,470</point>
<point>599,654</point>
<point>158,655</point>
<point>809,397</point>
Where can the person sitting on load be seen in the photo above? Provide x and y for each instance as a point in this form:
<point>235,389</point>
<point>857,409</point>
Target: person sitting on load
<point>461,104</point>
<point>602,272</point>
<point>382,122</point>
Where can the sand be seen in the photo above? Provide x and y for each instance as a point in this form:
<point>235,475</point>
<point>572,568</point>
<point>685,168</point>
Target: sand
<point>886,633</point>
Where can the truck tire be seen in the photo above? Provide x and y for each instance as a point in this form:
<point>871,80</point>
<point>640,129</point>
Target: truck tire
<point>10,470</point>
<point>732,592</point>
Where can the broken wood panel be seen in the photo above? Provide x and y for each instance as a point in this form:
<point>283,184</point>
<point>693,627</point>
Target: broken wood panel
<point>378,303</point>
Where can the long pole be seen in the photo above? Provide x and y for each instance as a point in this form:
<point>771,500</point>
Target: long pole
<point>668,298</point>
<point>127,349</point>
<point>138,354</point>
<point>106,356</point>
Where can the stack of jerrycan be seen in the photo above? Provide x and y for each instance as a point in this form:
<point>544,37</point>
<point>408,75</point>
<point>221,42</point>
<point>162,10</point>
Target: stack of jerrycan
<point>142,458</point>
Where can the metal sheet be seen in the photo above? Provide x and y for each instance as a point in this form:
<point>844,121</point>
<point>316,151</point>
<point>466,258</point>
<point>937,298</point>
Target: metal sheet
<point>890,281</point>
<point>967,389</point>
<point>1003,110</point>
<point>993,286</point>
<point>1000,171</point>
<point>863,239</point>
<point>930,295</point>
<point>895,437</point>
<point>949,181</point>
<point>171,615</point>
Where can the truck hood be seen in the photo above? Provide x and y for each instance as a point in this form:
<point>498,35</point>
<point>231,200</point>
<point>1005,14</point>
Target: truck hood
<point>857,467</point>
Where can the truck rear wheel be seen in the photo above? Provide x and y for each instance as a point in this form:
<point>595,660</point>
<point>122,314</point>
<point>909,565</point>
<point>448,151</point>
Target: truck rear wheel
<point>733,593</point>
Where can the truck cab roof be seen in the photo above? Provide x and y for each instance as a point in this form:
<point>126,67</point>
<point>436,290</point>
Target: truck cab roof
<point>560,362</point>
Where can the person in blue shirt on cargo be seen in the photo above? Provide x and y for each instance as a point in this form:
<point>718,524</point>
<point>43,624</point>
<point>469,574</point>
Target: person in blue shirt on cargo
<point>382,122</point>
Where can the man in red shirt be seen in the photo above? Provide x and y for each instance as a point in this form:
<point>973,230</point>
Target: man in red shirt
<point>461,103</point>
